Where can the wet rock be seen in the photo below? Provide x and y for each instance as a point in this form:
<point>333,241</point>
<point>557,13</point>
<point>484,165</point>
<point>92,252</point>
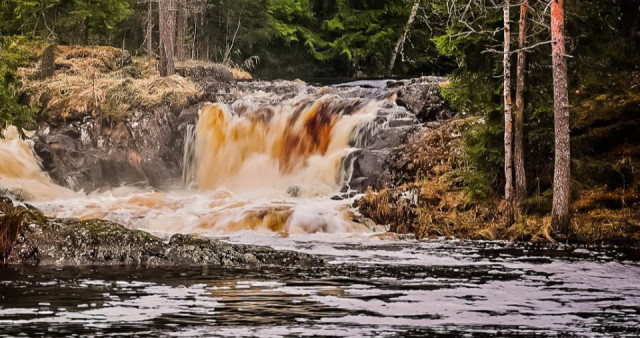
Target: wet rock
<point>71,242</point>
<point>425,101</point>
<point>391,137</point>
<point>294,191</point>
<point>145,149</point>
<point>359,183</point>
<point>369,170</point>
<point>402,122</point>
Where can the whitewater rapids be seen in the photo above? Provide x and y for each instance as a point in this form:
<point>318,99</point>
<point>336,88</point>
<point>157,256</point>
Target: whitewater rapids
<point>259,164</point>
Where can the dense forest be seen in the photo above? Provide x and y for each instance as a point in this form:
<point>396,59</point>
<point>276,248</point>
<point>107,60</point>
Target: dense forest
<point>492,51</point>
<point>284,38</point>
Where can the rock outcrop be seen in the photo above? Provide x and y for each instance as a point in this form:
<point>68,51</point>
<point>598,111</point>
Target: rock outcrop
<point>422,98</point>
<point>37,240</point>
<point>143,149</point>
<point>411,104</point>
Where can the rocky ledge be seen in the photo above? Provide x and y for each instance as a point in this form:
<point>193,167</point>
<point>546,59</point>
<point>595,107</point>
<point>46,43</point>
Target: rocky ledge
<point>28,237</point>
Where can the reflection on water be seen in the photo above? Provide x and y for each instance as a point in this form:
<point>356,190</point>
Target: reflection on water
<point>371,288</point>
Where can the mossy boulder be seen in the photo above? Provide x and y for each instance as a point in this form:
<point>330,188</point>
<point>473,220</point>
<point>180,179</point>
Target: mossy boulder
<point>71,242</point>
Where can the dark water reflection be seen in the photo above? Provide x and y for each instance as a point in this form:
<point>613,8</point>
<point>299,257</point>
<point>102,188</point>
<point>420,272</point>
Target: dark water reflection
<point>382,289</point>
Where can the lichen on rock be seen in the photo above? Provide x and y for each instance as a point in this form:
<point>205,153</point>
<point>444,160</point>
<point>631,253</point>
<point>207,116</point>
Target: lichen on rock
<point>38,240</point>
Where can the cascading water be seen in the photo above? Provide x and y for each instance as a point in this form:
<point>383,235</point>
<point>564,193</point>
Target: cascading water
<point>21,173</point>
<point>257,148</point>
<point>188,160</point>
<point>266,161</point>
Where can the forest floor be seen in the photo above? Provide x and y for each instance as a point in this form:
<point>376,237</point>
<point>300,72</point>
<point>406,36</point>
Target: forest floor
<point>429,198</point>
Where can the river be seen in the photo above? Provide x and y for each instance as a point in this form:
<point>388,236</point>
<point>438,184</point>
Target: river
<point>372,287</point>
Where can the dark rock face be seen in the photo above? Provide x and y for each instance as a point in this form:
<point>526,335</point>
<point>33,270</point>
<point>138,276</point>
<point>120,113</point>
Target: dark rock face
<point>71,242</point>
<point>369,169</point>
<point>397,122</point>
<point>423,98</point>
<point>145,149</point>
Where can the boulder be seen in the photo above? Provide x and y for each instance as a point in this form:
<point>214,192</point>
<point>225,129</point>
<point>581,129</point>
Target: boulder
<point>145,149</point>
<point>71,242</point>
<point>369,170</point>
<point>424,100</point>
<point>213,72</point>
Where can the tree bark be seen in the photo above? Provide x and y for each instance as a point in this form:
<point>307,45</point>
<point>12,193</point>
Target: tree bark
<point>508,160</point>
<point>403,37</point>
<point>181,33</point>
<point>47,67</point>
<point>167,26</point>
<point>521,179</point>
<point>561,190</point>
<point>149,30</point>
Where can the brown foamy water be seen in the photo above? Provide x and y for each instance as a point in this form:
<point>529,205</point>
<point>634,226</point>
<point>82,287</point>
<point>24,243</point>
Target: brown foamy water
<point>255,166</point>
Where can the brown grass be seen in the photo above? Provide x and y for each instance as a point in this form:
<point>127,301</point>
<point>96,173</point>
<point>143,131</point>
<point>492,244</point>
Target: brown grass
<point>11,220</point>
<point>429,201</point>
<point>191,66</point>
<point>9,226</point>
<point>104,82</point>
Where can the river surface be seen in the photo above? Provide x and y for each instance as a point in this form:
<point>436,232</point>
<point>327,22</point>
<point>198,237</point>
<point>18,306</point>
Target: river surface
<point>372,287</point>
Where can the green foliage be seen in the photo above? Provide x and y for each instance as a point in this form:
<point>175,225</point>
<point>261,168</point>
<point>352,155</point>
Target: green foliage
<point>14,52</point>
<point>599,41</point>
<point>482,155</point>
<point>345,37</point>
<point>65,21</point>
<point>292,38</point>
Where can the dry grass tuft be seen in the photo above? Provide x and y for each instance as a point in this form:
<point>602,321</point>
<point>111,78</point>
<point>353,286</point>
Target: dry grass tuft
<point>104,82</point>
<point>202,69</point>
<point>240,74</point>
<point>9,227</point>
<point>11,219</point>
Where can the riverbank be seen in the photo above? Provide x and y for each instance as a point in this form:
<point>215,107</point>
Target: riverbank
<point>429,197</point>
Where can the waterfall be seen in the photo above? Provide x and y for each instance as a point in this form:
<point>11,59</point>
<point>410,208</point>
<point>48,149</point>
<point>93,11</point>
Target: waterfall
<point>188,158</point>
<point>300,142</point>
<point>271,158</point>
<point>21,171</point>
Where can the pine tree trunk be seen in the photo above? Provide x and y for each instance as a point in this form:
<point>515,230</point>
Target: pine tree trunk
<point>521,179</point>
<point>149,30</point>
<point>181,33</point>
<point>561,190</point>
<point>194,36</point>
<point>167,26</point>
<point>508,167</point>
<point>403,37</point>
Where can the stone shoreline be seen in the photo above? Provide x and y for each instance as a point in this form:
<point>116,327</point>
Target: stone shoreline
<point>30,238</point>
